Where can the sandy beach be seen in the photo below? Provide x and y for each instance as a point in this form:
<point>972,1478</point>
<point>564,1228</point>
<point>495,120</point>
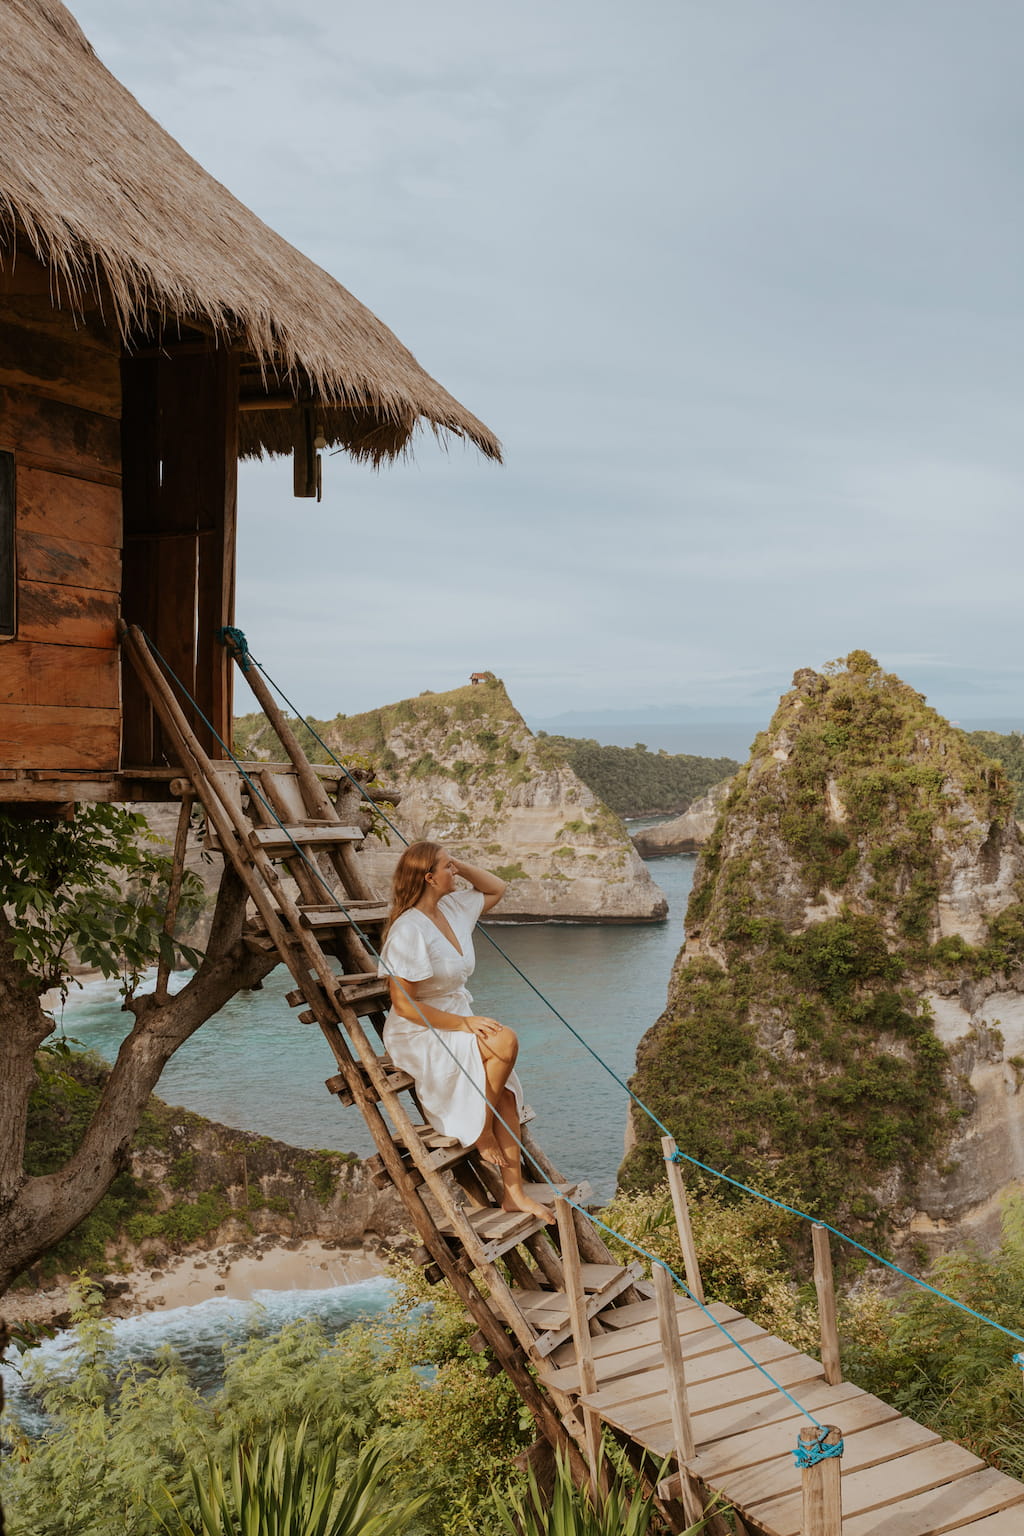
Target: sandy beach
<point>233,1270</point>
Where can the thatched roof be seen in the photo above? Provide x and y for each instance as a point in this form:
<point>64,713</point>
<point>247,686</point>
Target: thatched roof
<point>117,208</point>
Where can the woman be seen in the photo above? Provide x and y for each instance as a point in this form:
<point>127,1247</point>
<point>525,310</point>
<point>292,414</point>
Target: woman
<point>464,1073</point>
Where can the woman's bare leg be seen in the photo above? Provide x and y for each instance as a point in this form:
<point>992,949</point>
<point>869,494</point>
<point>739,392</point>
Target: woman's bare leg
<point>499,1053</point>
<point>506,1129</point>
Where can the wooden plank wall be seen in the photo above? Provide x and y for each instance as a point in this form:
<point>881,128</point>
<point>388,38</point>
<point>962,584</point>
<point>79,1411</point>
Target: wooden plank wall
<point>180,436</point>
<point>60,408</point>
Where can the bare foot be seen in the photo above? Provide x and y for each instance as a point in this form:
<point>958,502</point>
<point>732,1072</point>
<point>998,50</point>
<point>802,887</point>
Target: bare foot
<point>490,1152</point>
<point>518,1200</point>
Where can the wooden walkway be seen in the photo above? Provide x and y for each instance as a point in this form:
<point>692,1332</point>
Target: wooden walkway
<point>898,1478</point>
<point>584,1339</point>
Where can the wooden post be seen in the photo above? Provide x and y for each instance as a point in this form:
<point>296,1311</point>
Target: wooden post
<point>163,971</point>
<point>672,1352</point>
<point>823,1508</point>
<point>825,1288</point>
<point>576,1297</point>
<point>682,1209</point>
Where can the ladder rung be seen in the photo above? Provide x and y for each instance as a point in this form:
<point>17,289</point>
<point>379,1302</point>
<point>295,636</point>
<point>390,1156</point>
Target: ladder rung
<point>497,1230</point>
<point>282,840</point>
<point>438,1161</point>
<point>396,1080</point>
<point>298,998</point>
<point>602,1284</point>
<point>326,916</point>
<point>368,996</point>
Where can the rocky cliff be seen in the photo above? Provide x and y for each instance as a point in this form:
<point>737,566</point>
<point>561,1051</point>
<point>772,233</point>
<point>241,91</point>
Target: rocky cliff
<point>845,1023</point>
<point>472,775</point>
<point>686,833</point>
<point>189,1181</point>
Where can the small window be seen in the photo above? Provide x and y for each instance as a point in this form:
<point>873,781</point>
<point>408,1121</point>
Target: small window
<point>8,575</point>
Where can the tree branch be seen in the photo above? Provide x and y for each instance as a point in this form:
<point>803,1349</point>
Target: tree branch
<point>46,1207</point>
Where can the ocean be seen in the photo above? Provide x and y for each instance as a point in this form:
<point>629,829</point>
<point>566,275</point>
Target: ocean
<point>254,1067</point>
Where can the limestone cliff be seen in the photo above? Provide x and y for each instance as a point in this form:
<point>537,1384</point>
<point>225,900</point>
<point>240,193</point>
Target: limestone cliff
<point>846,1019</point>
<point>686,833</point>
<point>471,774</point>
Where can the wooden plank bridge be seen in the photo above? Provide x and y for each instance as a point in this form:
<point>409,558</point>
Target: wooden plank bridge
<point>588,1343</point>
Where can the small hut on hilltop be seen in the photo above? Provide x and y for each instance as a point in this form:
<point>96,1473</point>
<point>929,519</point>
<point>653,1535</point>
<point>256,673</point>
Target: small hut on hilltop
<point>152,331</point>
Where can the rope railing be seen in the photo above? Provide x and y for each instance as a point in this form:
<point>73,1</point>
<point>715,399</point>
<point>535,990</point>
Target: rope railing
<point>237,638</point>
<point>365,938</point>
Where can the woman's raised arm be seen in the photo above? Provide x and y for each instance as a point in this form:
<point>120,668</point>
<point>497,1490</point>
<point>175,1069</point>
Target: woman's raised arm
<point>490,886</point>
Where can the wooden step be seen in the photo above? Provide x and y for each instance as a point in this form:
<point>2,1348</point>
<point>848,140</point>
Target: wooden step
<point>281,841</point>
<point>353,990</point>
<point>397,1081</point>
<point>327,915</point>
<point>548,1311</point>
<point>497,1230</point>
<point>437,1162</point>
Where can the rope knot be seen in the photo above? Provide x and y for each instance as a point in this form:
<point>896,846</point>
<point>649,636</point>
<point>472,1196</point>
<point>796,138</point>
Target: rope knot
<point>229,635</point>
<point>809,1452</point>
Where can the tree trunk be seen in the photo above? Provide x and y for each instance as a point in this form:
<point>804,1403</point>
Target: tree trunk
<point>37,1212</point>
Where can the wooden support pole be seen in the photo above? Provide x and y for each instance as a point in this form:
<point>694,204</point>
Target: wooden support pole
<point>681,1207</point>
<point>163,970</point>
<point>822,1500</point>
<point>576,1297</point>
<point>317,797</point>
<point>823,1284</point>
<point>672,1353</point>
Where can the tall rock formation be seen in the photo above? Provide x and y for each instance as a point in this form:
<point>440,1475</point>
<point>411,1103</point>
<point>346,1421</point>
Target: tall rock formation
<point>845,1023</point>
<point>472,775</point>
<point>686,833</point>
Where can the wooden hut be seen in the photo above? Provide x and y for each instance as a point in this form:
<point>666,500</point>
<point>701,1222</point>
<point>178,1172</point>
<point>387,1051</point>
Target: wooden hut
<point>152,331</point>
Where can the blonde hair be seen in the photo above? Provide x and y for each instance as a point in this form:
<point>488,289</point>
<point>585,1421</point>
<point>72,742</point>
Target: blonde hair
<point>410,877</point>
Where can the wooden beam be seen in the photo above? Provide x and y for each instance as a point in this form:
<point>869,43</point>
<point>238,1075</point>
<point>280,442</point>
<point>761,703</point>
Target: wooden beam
<point>576,1297</point>
<point>822,1498</point>
<point>681,1207</point>
<point>668,1329</point>
<point>825,1287</point>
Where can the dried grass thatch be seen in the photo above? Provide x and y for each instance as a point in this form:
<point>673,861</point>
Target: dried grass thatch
<point>116,208</point>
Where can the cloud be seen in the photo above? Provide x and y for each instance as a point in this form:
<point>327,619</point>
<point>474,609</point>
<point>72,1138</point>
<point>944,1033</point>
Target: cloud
<point>738,286</point>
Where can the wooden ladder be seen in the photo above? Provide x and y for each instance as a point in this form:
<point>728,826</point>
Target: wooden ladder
<point>290,831</point>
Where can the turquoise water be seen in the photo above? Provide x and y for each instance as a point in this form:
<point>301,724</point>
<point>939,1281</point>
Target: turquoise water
<point>197,1335</point>
<point>254,1067</point>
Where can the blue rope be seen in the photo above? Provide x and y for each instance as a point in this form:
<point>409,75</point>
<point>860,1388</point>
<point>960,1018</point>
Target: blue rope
<point>490,939</point>
<point>792,1210</point>
<point>809,1453</point>
<point>678,1156</point>
<point>229,633</point>
<point>439,1035</point>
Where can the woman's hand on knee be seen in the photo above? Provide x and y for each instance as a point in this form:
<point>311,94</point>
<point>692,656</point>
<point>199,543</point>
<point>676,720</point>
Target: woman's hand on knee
<point>483,1028</point>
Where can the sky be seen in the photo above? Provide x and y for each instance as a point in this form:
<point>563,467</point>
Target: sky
<point>737,284</point>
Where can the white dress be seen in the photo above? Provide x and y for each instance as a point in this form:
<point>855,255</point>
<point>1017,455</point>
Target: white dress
<point>446,1063</point>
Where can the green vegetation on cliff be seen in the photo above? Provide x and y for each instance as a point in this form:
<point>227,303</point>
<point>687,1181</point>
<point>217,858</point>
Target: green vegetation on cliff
<point>1008,751</point>
<point>795,1049</point>
<point>636,782</point>
<point>193,1196</point>
<point>476,718</point>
